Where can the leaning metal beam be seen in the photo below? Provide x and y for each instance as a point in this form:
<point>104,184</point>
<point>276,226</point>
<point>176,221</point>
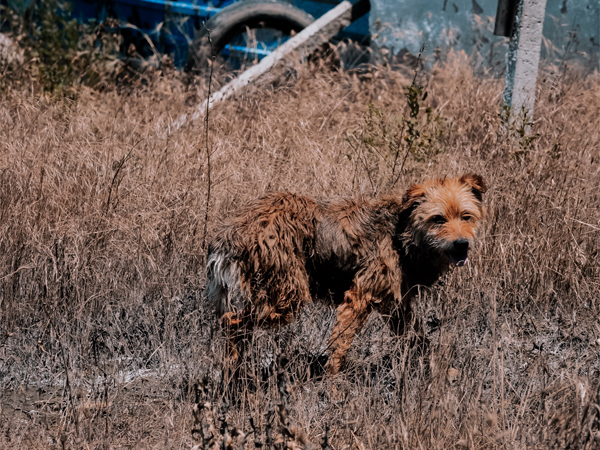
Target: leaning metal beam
<point>302,44</point>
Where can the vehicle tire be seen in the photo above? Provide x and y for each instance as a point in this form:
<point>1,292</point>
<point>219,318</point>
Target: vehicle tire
<point>243,15</point>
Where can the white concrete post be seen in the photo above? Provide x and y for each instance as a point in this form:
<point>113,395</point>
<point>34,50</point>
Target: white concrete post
<point>524,58</point>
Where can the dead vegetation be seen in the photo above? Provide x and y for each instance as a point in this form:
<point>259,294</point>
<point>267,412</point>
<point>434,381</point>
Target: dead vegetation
<point>105,341</point>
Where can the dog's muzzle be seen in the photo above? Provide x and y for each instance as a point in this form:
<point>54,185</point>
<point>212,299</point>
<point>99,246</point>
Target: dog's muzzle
<point>458,254</point>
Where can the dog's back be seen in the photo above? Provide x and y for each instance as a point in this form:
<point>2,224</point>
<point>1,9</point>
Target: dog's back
<point>259,255</point>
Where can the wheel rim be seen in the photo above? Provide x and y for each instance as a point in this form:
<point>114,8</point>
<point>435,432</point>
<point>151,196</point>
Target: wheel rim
<point>251,45</point>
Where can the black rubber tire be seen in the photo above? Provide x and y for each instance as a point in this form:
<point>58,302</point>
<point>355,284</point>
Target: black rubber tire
<point>235,18</point>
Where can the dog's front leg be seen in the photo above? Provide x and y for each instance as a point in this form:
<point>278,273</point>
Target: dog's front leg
<point>398,315</point>
<point>401,319</point>
<point>237,326</point>
<point>351,317</point>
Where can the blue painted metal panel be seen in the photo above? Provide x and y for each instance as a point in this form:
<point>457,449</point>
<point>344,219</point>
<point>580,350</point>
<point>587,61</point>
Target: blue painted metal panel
<point>171,24</point>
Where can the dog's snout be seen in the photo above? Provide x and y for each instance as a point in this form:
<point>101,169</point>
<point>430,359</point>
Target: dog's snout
<point>461,245</point>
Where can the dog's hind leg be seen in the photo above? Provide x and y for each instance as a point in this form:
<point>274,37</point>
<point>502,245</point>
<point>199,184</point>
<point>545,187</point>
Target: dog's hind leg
<point>351,317</point>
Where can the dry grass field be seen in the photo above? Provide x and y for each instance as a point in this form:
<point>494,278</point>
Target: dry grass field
<point>105,212</point>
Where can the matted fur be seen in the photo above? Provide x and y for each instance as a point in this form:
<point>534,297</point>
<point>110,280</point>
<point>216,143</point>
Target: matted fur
<point>283,250</point>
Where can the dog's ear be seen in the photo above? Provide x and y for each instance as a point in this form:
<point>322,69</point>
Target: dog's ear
<point>412,197</point>
<point>476,183</point>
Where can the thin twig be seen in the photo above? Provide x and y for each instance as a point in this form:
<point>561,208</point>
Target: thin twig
<point>361,158</point>
<point>394,181</point>
<point>121,164</point>
<point>211,63</point>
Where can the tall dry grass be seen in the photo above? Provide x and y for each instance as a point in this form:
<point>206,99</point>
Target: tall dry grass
<point>103,332</point>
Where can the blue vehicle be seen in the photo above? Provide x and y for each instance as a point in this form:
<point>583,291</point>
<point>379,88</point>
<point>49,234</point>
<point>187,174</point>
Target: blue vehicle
<point>240,30</point>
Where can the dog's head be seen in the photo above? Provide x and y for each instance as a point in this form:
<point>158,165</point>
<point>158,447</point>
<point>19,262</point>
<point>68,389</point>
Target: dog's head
<point>443,215</point>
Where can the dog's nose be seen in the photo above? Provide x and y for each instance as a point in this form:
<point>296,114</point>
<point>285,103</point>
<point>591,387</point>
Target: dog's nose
<point>461,245</point>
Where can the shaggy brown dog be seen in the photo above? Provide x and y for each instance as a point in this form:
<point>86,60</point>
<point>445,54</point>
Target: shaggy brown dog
<point>282,250</point>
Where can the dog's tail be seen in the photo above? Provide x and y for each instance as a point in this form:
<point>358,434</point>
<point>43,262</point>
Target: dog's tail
<point>223,288</point>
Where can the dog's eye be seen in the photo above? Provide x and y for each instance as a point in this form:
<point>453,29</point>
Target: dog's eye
<point>438,220</point>
<point>466,217</point>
